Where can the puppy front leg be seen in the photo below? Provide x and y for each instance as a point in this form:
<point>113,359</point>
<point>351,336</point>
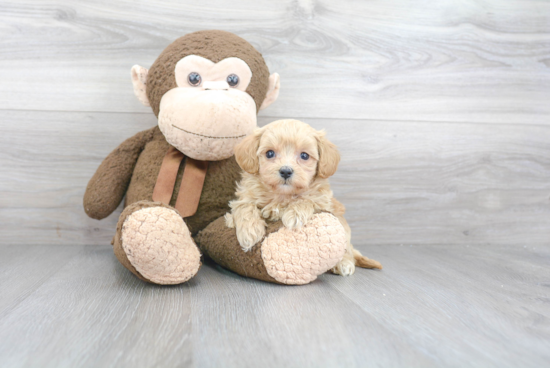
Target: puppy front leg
<point>249,224</point>
<point>297,214</point>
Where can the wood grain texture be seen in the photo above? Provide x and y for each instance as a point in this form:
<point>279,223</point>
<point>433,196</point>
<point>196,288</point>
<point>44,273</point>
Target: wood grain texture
<point>90,313</point>
<point>463,61</point>
<point>402,182</point>
<point>23,269</point>
<point>431,306</point>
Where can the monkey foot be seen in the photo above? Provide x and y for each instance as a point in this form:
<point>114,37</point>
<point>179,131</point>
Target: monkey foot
<point>285,256</point>
<point>298,256</point>
<point>155,244</point>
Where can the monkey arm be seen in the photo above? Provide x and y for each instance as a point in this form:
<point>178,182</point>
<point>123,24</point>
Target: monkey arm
<point>110,182</point>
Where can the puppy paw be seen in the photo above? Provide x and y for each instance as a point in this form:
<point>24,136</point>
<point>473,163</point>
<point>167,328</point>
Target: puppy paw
<point>294,218</point>
<point>345,267</point>
<point>229,220</point>
<point>250,234</point>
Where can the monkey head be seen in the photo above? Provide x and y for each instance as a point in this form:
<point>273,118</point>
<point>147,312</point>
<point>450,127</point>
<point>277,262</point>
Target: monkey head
<point>206,89</point>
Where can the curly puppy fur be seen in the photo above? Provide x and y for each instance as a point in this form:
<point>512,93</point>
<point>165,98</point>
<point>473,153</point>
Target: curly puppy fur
<point>286,165</point>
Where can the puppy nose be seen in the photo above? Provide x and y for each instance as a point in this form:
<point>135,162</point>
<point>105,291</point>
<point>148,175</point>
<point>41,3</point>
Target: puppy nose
<point>285,172</point>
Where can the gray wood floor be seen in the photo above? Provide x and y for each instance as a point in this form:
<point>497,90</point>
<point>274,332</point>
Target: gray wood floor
<point>441,111</point>
<point>431,306</point>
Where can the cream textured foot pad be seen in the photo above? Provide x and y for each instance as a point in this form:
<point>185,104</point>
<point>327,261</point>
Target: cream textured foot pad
<point>297,257</point>
<point>159,245</point>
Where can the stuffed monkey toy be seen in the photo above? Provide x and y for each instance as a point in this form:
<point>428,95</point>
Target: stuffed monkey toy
<point>178,177</point>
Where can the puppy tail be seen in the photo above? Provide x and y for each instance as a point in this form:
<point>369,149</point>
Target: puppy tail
<point>362,261</point>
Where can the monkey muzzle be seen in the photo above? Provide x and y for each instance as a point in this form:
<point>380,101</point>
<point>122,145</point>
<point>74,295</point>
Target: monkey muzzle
<point>206,123</point>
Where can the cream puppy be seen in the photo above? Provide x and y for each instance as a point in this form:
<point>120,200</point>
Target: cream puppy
<point>286,165</point>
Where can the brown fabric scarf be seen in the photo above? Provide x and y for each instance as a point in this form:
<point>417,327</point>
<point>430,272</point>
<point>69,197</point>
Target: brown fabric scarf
<point>191,183</point>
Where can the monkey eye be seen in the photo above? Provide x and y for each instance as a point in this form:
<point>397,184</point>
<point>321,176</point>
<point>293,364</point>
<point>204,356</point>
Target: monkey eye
<point>270,154</point>
<point>304,156</point>
<point>194,79</point>
<point>233,80</point>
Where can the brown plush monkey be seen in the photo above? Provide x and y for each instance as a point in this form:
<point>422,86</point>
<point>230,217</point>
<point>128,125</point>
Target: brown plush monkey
<point>206,89</point>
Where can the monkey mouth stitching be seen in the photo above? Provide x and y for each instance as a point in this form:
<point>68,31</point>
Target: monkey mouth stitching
<point>207,136</point>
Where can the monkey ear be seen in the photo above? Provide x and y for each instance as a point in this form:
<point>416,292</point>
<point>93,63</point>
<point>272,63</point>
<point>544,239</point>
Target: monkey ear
<point>329,157</point>
<point>272,90</point>
<point>139,80</point>
<point>246,152</point>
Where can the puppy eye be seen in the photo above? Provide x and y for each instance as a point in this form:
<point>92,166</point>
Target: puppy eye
<point>270,154</point>
<point>233,80</point>
<point>304,156</point>
<point>194,79</point>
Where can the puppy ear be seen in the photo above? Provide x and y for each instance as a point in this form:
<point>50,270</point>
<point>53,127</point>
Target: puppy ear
<point>329,157</point>
<point>246,152</point>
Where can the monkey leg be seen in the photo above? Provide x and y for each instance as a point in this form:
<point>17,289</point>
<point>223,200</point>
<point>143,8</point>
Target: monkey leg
<point>284,256</point>
<point>153,242</point>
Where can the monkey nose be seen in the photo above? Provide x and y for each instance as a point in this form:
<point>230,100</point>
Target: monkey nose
<point>215,85</point>
<point>285,172</point>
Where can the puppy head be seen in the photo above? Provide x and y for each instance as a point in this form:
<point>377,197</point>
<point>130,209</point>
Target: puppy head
<point>287,155</point>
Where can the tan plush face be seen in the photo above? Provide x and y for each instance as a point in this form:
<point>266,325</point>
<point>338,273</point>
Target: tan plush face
<point>209,111</point>
<point>206,89</point>
<point>288,155</point>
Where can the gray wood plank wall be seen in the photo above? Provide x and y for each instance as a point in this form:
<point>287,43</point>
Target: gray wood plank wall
<point>441,109</point>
